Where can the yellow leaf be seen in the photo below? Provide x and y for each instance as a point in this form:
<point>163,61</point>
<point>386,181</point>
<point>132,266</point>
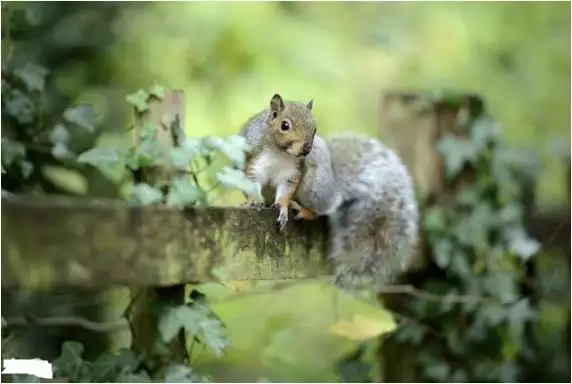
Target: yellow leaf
<point>238,286</point>
<point>362,327</point>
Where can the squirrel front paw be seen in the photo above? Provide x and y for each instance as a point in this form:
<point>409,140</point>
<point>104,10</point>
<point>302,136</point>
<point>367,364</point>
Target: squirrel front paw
<point>282,220</point>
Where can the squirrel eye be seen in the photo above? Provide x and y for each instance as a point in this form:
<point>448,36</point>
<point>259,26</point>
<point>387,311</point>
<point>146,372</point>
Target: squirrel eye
<point>285,126</point>
<point>274,114</point>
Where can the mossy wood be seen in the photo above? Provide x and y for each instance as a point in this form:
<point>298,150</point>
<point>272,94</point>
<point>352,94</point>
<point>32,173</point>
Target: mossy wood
<point>62,241</point>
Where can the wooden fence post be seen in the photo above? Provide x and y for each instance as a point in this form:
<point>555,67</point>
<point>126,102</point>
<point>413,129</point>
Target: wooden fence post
<point>412,123</point>
<point>166,116</point>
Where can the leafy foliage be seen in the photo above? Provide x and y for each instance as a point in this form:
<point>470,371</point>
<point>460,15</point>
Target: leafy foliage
<point>479,246</point>
<point>183,189</point>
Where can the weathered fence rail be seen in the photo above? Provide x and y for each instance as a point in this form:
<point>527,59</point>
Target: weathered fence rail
<point>62,241</point>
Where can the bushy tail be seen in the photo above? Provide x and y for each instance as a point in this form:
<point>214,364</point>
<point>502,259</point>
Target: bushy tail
<point>374,233</point>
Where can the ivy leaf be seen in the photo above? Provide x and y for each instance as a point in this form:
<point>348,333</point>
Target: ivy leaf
<point>99,157</point>
<point>145,194</point>
<point>521,244</point>
<point>81,115</point>
<point>438,371</point>
<point>183,192</point>
<point>234,148</point>
<point>178,373</point>
<point>501,284</point>
<point>19,106</point>
<point>196,320</point>
<point>436,220</point>
<point>158,91</point>
<point>443,251</point>
<point>26,168</point>
<point>33,76</point>
<point>410,333</point>
<point>460,264</point>
<point>59,134</point>
<point>60,151</point>
<point>12,151</point>
<point>139,377</point>
<point>493,313</point>
<point>511,213</point>
<point>108,367</point>
<point>456,152</point>
<point>234,178</point>
<point>519,313</point>
<point>70,363</point>
<point>182,157</point>
<point>485,131</point>
<point>139,100</point>
<point>148,153</point>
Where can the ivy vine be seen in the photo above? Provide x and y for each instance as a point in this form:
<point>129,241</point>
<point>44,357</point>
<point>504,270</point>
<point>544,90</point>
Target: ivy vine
<point>479,249</point>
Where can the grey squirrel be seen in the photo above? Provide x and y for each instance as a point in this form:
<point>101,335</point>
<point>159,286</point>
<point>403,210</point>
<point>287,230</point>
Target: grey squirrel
<point>360,184</point>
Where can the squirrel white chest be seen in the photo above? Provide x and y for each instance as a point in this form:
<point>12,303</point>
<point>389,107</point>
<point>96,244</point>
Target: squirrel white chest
<point>273,169</point>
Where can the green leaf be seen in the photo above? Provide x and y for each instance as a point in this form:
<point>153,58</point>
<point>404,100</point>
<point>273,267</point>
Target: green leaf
<point>70,363</point>
<point>196,320</point>
<point>139,377</point>
<point>234,178</point>
<point>460,264</point>
<point>182,157</point>
<point>410,333</point>
<point>485,131</point>
<point>437,371</point>
<point>519,313</point>
<point>59,134</point>
<point>493,313</point>
<point>456,153</point>
<point>145,194</point>
<point>148,131</point>
<point>99,157</point>
<point>33,76</point>
<point>158,91</point>
<point>19,106</point>
<point>108,367</point>
<point>233,147</point>
<point>61,151</point>
<point>148,153</point>
<point>436,220</point>
<point>501,284</point>
<point>12,151</point>
<point>139,100</point>
<point>184,192</point>
<point>443,251</point>
<point>82,115</point>
<point>520,243</point>
<point>26,168</point>
<point>178,373</point>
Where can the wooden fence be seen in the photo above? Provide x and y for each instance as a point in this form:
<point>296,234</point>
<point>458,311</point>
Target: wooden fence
<point>50,241</point>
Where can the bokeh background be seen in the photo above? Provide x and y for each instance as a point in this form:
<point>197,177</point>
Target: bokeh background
<point>230,57</point>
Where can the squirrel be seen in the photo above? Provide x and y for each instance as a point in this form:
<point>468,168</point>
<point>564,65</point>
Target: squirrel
<point>361,185</point>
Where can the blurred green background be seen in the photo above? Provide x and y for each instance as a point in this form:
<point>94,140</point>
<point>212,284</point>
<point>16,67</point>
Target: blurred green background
<point>229,58</point>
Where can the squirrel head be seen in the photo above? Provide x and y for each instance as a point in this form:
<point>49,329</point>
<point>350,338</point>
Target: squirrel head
<point>292,126</point>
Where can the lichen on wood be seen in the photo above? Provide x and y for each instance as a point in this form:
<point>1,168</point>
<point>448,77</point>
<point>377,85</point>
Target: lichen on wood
<point>61,241</point>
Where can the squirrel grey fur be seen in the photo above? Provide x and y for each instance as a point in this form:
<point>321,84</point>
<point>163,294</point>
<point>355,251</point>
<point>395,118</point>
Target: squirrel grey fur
<point>364,189</point>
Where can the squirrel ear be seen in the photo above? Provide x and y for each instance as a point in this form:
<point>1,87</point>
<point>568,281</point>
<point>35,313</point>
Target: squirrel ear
<point>310,104</point>
<point>276,104</point>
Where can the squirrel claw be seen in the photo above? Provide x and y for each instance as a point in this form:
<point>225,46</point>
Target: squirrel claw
<point>281,221</point>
